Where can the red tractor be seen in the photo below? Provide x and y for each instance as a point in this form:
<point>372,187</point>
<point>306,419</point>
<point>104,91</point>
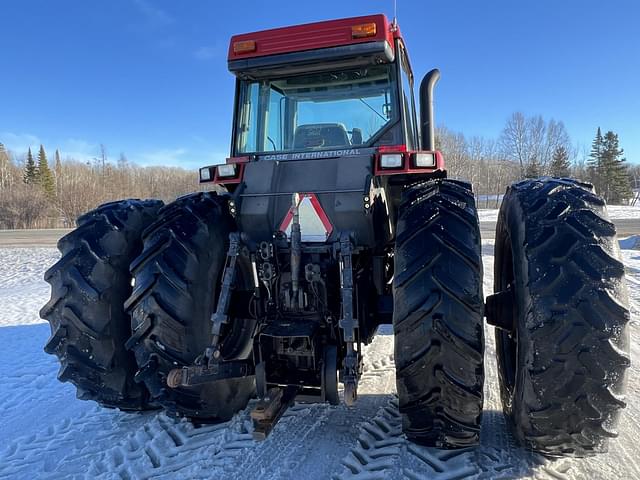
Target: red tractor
<point>336,216</point>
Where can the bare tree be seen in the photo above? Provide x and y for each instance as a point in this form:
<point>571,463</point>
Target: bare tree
<point>531,142</point>
<point>23,206</point>
<point>79,191</point>
<point>9,173</point>
<point>480,161</point>
<point>455,146</point>
<point>514,141</point>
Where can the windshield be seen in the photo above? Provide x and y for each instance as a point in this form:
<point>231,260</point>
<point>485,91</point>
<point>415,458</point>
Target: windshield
<point>316,111</point>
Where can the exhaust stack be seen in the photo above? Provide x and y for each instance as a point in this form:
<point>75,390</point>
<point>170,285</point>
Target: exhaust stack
<point>427,122</point>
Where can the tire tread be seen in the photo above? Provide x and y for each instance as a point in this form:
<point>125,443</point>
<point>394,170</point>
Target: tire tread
<point>579,335</point>
<point>89,285</point>
<point>437,318</point>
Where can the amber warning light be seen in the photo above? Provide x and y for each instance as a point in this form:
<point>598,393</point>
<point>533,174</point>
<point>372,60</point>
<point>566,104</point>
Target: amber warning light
<point>363,30</point>
<point>244,46</point>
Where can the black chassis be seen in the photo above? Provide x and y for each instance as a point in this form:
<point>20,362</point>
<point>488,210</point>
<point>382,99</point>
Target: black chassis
<point>343,284</point>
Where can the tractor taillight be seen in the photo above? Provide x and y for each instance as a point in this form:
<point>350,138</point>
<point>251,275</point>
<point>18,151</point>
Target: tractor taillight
<point>391,160</point>
<point>205,174</point>
<point>363,30</point>
<point>228,173</point>
<point>244,46</point>
<point>424,159</point>
<point>391,156</point>
<point>226,170</point>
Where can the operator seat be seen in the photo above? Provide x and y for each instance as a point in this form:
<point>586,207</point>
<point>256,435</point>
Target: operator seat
<point>320,135</point>
<point>356,136</point>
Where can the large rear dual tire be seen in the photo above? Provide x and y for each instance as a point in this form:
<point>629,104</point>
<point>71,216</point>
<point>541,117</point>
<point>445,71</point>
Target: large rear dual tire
<point>438,314</point>
<point>89,286</point>
<point>176,286</point>
<point>562,367</point>
<point>176,279</point>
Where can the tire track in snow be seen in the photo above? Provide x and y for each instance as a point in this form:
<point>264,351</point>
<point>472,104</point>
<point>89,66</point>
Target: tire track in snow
<point>310,440</point>
<point>107,444</point>
<point>104,444</point>
<point>383,452</point>
<point>377,447</point>
<point>61,450</point>
<point>168,448</point>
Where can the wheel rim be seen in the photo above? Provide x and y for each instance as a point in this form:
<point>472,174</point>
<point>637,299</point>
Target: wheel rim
<point>507,342</point>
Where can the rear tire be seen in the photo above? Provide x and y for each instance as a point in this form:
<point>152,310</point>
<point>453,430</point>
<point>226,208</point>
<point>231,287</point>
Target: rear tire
<point>89,286</point>
<point>176,288</point>
<point>437,318</point>
<point>562,369</point>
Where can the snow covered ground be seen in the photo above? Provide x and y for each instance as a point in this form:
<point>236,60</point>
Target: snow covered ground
<point>616,212</point>
<point>46,433</point>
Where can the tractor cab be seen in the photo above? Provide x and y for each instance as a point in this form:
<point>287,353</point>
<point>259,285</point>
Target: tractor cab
<point>325,97</point>
<point>340,88</point>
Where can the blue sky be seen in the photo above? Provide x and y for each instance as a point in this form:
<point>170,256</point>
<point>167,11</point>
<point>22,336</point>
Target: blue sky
<point>149,78</point>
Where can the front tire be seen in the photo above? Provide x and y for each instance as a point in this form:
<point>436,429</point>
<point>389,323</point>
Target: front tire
<point>437,318</point>
<point>562,366</point>
<point>89,286</point>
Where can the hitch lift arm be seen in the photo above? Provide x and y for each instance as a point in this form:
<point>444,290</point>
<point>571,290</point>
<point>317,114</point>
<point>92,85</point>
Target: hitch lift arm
<point>351,366</point>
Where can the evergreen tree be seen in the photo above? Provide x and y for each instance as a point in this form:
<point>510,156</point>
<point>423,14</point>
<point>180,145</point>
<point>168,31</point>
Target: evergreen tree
<point>532,168</point>
<point>560,165</point>
<point>594,162</point>
<point>613,170</point>
<point>30,171</point>
<point>45,177</point>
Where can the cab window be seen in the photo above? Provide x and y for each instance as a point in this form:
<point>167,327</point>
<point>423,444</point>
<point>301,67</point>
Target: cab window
<point>334,109</point>
<point>408,101</point>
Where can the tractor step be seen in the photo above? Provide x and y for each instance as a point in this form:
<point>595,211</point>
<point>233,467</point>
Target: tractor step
<point>268,411</point>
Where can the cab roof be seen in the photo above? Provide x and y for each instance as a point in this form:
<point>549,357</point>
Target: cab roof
<point>313,36</point>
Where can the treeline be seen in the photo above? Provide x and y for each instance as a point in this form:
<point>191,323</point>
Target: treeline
<point>530,147</point>
<point>35,195</point>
